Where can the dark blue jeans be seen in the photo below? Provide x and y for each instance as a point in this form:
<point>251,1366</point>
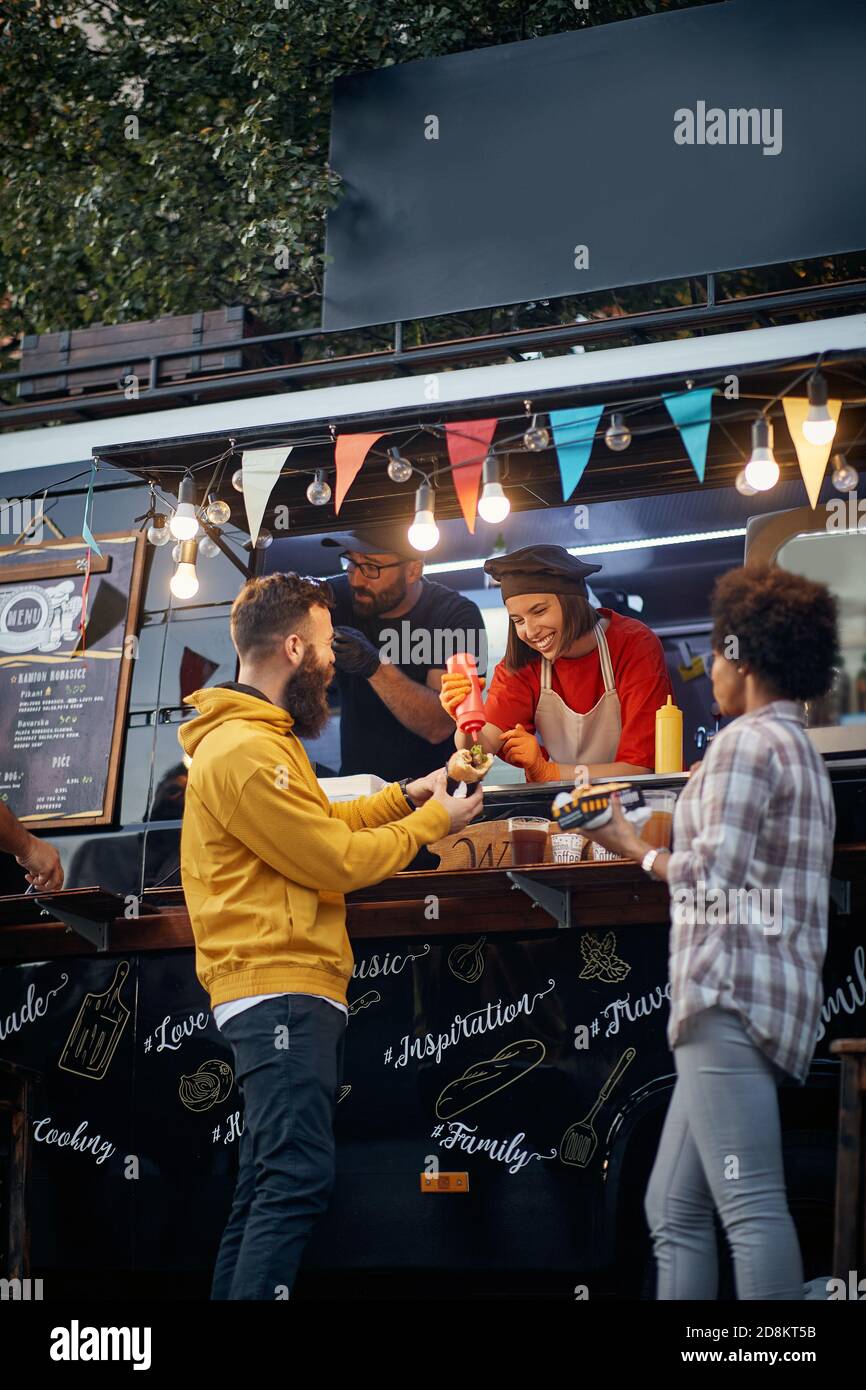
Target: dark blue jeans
<point>286,1156</point>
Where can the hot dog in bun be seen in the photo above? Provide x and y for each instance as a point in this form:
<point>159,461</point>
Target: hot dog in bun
<point>469,764</point>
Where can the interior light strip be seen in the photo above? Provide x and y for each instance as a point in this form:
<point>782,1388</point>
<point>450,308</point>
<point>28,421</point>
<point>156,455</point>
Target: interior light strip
<point>608,548</point>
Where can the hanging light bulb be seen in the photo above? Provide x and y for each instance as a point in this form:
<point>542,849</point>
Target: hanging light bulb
<point>319,491</point>
<point>762,470</point>
<point>184,581</point>
<point>493,505</point>
<point>399,469</point>
<point>264,539</point>
<point>424,533</point>
<point>218,513</point>
<point>238,480</point>
<point>184,522</point>
<point>208,548</point>
<point>536,438</point>
<point>819,426</point>
<point>175,551</point>
<point>617,436</point>
<point>845,476</point>
<point>743,486</point>
<point>158,532</point>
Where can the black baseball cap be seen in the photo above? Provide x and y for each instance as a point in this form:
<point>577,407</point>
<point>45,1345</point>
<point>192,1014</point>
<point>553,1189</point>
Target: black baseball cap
<point>374,540</point>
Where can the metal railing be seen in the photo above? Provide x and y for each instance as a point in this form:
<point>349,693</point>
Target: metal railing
<point>399,358</point>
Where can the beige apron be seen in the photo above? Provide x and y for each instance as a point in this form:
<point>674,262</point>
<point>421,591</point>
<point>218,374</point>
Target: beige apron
<point>570,737</point>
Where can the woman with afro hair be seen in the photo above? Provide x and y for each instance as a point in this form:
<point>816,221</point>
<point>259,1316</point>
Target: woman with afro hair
<point>749,883</point>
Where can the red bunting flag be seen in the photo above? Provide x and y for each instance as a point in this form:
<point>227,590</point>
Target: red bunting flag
<point>349,453</point>
<point>468,443</point>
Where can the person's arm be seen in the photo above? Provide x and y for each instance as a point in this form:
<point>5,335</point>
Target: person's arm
<point>738,778</point>
<point>369,812</point>
<point>39,859</point>
<point>416,706</point>
<point>510,699</point>
<point>289,829</point>
<point>522,749</point>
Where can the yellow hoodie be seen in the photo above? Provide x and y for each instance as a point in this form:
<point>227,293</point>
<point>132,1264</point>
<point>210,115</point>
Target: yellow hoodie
<point>266,859</point>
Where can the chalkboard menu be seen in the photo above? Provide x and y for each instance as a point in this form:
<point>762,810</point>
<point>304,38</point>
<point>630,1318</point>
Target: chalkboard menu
<point>63,698</point>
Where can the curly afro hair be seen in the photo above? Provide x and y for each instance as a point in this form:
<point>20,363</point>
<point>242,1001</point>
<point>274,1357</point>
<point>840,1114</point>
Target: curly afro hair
<point>785,626</point>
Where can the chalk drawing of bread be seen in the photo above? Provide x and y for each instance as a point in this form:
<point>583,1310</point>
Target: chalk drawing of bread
<point>484,1079</point>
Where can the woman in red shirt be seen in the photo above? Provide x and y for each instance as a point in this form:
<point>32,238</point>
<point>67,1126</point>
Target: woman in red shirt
<point>578,685</point>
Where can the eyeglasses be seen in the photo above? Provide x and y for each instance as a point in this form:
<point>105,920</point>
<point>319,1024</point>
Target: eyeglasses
<point>367,567</point>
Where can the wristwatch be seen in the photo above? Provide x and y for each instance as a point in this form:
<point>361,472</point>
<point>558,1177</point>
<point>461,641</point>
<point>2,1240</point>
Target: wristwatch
<point>649,860</point>
<point>404,789</point>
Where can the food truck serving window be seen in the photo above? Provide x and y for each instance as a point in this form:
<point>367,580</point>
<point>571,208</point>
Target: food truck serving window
<point>828,546</point>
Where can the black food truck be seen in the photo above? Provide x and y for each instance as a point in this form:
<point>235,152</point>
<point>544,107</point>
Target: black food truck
<point>551,978</point>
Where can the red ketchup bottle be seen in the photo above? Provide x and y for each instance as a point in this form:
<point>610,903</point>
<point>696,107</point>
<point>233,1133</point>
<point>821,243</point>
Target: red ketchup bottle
<point>470,714</point>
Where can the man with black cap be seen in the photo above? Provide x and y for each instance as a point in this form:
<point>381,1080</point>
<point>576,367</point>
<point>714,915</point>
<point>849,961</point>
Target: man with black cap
<point>578,685</point>
<point>394,631</point>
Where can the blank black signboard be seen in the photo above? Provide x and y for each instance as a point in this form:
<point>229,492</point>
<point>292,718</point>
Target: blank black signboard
<point>568,141</point>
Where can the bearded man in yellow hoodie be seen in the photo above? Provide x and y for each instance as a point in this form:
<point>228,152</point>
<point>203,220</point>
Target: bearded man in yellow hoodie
<point>265,862</point>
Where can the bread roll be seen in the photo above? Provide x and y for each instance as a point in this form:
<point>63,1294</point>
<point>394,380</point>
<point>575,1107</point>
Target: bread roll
<point>462,769</point>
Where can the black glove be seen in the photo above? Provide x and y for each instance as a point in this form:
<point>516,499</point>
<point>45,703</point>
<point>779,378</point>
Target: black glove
<point>355,653</point>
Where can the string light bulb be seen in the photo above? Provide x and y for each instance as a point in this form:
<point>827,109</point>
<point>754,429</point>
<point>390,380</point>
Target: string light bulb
<point>493,505</point>
<point>319,491</point>
<point>184,581</point>
<point>819,427</point>
<point>158,532</point>
<point>399,469</point>
<point>762,470</point>
<point>218,512</point>
<point>264,539</point>
<point>617,436</point>
<point>208,548</point>
<point>424,533</point>
<point>536,438</point>
<point>845,476</point>
<point>184,522</point>
<point>238,480</point>
<point>743,486</point>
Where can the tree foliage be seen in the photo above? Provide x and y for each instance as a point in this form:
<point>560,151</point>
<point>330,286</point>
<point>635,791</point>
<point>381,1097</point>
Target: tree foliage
<point>156,155</point>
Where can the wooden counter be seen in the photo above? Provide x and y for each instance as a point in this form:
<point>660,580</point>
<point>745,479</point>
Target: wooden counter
<point>410,904</point>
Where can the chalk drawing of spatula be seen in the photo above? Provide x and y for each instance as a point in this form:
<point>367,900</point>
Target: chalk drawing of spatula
<point>579,1141</point>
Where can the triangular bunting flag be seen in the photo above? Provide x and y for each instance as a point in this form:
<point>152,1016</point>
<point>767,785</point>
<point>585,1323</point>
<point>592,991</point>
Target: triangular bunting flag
<point>573,436</point>
<point>86,532</point>
<point>260,468</point>
<point>468,443</point>
<point>691,412</point>
<point>349,453</point>
<point>812,458</point>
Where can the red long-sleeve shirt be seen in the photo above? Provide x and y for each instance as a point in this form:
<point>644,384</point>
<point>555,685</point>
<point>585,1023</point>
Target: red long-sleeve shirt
<point>640,675</point>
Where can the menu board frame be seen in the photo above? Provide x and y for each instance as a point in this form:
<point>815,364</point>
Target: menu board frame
<point>47,564</point>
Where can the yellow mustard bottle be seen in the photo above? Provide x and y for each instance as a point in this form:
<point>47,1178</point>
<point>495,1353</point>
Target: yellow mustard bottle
<point>669,737</point>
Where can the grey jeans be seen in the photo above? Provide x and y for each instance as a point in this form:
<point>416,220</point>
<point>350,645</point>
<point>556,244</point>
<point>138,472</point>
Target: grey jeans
<point>721,1147</point>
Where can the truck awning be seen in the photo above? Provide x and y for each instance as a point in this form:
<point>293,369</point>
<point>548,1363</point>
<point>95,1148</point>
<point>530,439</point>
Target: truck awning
<point>128,440</point>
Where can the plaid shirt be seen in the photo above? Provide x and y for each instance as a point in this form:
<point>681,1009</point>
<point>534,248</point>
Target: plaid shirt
<point>758,815</point>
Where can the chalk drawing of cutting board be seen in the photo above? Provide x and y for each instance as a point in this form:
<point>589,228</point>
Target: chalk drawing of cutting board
<point>96,1031</point>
